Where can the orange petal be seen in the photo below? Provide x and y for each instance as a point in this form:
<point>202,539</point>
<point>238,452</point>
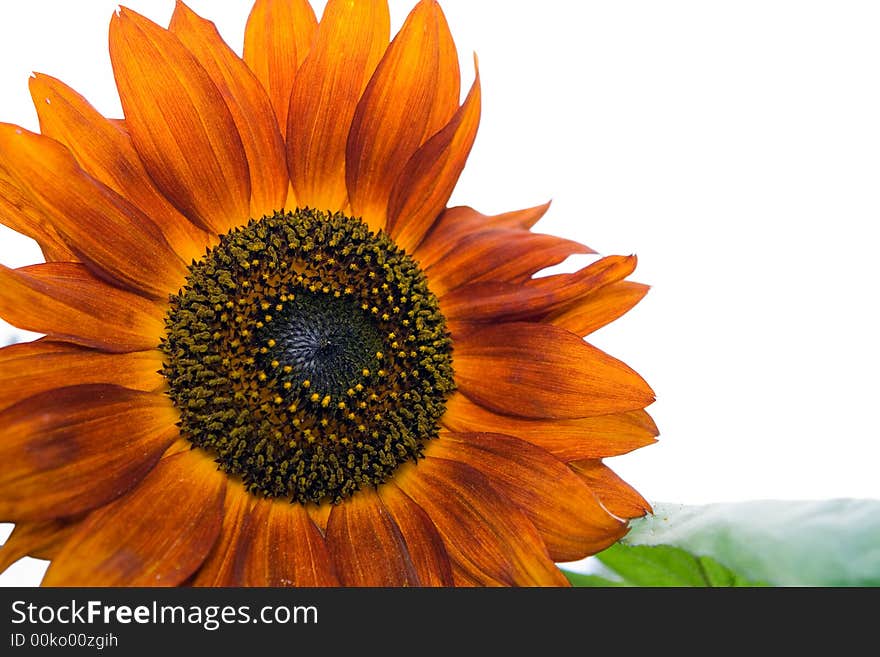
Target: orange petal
<point>287,548</point>
<point>277,39</point>
<point>504,255</point>
<point>225,565</point>
<point>157,535</point>
<point>567,440</point>
<point>570,519</point>
<point>38,539</point>
<point>71,449</point>
<point>489,540</point>
<point>454,224</point>
<point>426,182</point>
<point>249,104</point>
<point>103,149</point>
<point>404,104</point>
<point>115,239</point>
<point>423,541</point>
<point>536,298</point>
<point>320,514</point>
<point>616,495</point>
<point>542,371</point>
<point>30,368</point>
<point>66,301</point>
<point>180,124</point>
<point>366,544</point>
<point>20,212</point>
<point>348,44</point>
<point>600,307</point>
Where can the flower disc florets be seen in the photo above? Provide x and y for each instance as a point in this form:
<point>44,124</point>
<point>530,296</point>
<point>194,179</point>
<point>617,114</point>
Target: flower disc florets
<point>308,354</point>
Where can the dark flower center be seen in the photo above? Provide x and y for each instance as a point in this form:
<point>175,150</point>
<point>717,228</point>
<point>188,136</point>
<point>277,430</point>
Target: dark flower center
<point>308,355</point>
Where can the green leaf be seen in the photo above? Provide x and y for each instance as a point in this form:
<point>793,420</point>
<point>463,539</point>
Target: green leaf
<point>595,581</point>
<point>664,565</point>
<point>783,543</point>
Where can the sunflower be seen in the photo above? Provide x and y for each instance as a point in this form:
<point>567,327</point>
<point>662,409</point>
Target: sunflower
<point>273,355</point>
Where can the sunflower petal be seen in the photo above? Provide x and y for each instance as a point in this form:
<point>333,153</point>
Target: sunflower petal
<point>562,507</point>
<point>71,449</point>
<point>489,540</point>
<point>180,124</point>
<point>542,371</point>
<point>454,224</point>
<point>536,298</point>
<point>157,535</point>
<point>110,235</point>
<point>508,256</point>
<point>104,151</point>
<point>287,549</point>
<point>567,440</point>
<point>38,539</point>
<point>225,564</point>
<point>277,39</point>
<point>65,301</point>
<point>423,541</point>
<point>401,108</point>
<point>616,495</point>
<point>347,46</point>
<point>24,215</point>
<point>599,308</point>
<point>366,544</point>
<point>249,104</point>
<point>426,182</point>
<point>31,368</point>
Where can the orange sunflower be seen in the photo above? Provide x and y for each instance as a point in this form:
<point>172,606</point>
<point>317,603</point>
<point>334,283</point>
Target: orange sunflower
<point>272,355</point>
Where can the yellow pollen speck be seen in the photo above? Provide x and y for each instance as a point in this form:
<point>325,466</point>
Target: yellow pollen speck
<point>265,305</point>
<point>264,350</point>
<point>271,342</point>
<point>279,307</point>
<point>326,401</point>
<point>380,355</point>
<point>288,385</point>
<point>359,387</point>
<point>288,369</point>
<point>268,318</point>
<point>261,376</point>
<point>365,372</point>
<point>306,384</point>
<point>275,363</point>
<point>315,397</point>
<point>278,400</point>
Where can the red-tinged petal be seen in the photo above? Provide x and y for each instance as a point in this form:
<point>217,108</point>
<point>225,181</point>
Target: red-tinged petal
<point>599,308</point>
<point>20,212</point>
<point>489,540</point>
<point>39,539</point>
<point>180,124</point>
<point>423,541</point>
<point>348,44</point>
<point>366,544</point>
<point>504,255</point>
<point>72,449</point>
<point>568,440</point>
<point>109,234</point>
<point>104,151</point>
<point>616,495</point>
<point>403,105</point>
<point>277,39</point>
<point>68,303</point>
<point>249,104</point>
<point>426,182</point>
<point>454,224</point>
<point>542,371</point>
<point>534,299</point>
<point>225,564</point>
<point>562,507</point>
<point>30,368</point>
<point>287,548</point>
<point>157,535</point>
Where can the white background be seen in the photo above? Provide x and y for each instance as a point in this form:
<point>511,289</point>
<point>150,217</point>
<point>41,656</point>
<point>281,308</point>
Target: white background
<point>733,146</point>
